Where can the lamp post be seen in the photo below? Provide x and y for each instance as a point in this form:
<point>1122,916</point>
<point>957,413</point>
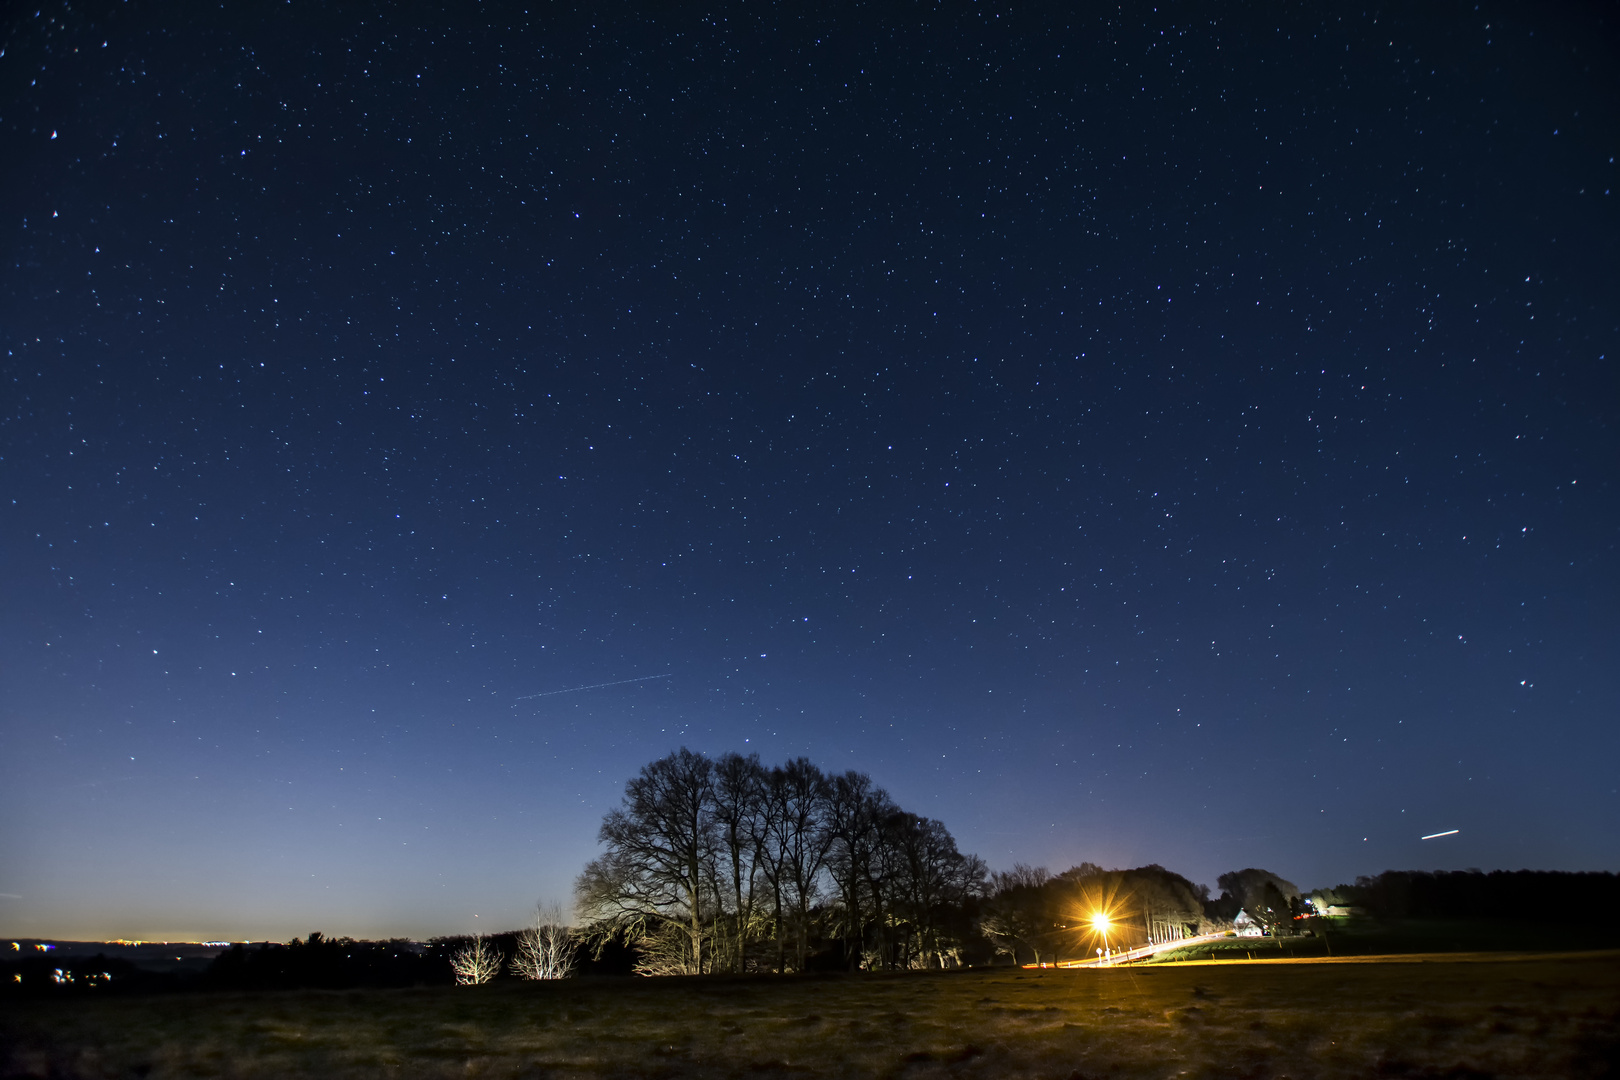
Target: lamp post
<point>1100,923</point>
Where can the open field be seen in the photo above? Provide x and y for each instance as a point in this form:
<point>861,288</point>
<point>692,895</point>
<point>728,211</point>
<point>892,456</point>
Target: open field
<point>1451,1016</point>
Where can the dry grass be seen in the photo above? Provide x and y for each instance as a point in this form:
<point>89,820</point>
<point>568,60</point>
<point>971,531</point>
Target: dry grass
<point>1443,1017</point>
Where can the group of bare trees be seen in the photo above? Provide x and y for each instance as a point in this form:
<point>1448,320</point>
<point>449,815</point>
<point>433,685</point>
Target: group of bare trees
<point>545,949</point>
<point>730,865</point>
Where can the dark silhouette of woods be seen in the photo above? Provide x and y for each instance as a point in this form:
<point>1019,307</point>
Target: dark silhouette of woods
<point>869,886</point>
<point>730,865</point>
<point>329,964</point>
<point>1540,896</point>
<point>323,963</point>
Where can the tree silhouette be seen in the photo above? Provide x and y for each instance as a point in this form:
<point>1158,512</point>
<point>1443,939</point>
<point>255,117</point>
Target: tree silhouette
<point>1019,911</point>
<point>742,827</point>
<point>847,875</point>
<point>656,878</point>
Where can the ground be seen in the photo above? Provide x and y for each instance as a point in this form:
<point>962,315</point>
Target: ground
<point>1454,1016</point>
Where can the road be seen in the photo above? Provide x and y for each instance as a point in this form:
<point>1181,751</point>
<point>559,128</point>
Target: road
<point>1132,955</point>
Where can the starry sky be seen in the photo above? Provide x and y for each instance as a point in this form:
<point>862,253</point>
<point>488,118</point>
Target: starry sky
<point>1132,434</point>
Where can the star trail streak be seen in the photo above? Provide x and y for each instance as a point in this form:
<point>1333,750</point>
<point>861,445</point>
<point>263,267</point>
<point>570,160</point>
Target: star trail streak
<point>595,686</point>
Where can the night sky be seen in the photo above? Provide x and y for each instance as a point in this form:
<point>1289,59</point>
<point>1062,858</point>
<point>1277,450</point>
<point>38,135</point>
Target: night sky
<point>1178,434</point>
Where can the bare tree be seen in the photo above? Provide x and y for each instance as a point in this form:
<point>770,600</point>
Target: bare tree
<point>476,962</point>
<point>1021,876</point>
<point>664,948</point>
<point>797,846</point>
<point>545,949</point>
<point>658,867</point>
<point>740,825</point>
<point>933,879</point>
<point>1170,905</point>
<point>856,809</point>
<point>1020,911</point>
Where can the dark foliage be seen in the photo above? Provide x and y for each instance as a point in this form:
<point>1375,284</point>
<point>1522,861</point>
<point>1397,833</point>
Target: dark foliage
<point>330,964</point>
<point>315,963</point>
<point>614,955</point>
<point>1270,900</point>
<point>1533,896</point>
<point>1223,908</point>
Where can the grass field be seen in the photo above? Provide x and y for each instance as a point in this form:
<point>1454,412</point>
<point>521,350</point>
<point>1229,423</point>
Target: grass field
<point>1450,1016</point>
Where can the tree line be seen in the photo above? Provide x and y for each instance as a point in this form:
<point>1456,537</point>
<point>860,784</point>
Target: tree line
<point>730,865</point>
<point>1545,896</point>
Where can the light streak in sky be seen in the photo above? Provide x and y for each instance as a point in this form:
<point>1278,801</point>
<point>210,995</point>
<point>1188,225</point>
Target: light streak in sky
<point>1437,835</point>
<point>594,686</point>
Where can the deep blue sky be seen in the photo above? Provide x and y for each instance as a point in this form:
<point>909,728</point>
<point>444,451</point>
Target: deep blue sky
<point>1166,435</point>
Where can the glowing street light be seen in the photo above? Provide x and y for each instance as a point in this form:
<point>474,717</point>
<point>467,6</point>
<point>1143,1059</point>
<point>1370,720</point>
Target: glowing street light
<point>1100,923</point>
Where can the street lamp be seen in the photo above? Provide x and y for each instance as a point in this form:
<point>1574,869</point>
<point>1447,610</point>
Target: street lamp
<point>1100,923</point>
